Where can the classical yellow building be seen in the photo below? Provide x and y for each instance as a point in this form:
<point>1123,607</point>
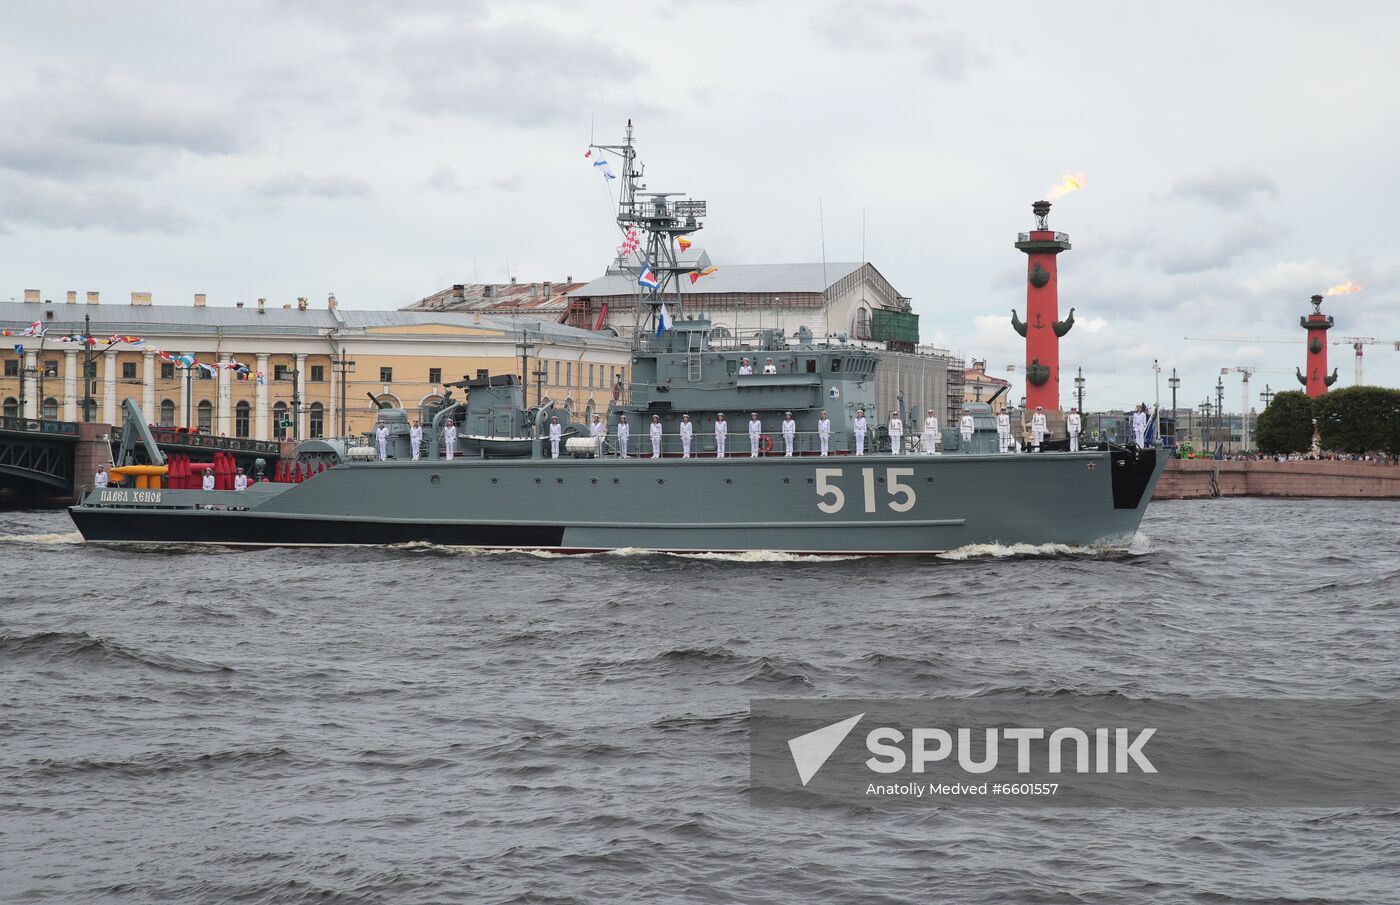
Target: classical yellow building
<point>318,365</point>
<point>979,386</point>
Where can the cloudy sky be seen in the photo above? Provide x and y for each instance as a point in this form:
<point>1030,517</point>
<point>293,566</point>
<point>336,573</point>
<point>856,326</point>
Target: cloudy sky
<point>1238,157</point>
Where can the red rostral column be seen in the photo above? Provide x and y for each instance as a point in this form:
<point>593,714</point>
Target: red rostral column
<point>1317,380</point>
<point>1040,328</point>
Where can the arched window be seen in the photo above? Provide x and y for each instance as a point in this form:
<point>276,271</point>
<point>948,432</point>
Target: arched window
<point>241,420</point>
<point>862,323</point>
<point>51,409</point>
<point>318,419</point>
<point>11,407</point>
<point>569,404</point>
<point>279,416</point>
<point>205,412</point>
<point>719,332</point>
<point>388,399</point>
<point>167,413</point>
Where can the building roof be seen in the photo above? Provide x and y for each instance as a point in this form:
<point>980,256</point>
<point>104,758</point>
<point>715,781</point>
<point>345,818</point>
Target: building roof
<point>169,320</point>
<point>980,376</point>
<point>737,278</point>
<point>536,298</point>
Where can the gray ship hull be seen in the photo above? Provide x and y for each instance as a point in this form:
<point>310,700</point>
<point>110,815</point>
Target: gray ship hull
<point>879,504</point>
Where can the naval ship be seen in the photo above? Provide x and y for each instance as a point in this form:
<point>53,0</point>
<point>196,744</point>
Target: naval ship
<point>504,489</point>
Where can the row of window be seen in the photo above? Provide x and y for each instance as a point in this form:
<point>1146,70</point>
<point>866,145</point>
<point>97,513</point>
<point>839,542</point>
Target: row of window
<point>204,416</point>
<point>564,374</point>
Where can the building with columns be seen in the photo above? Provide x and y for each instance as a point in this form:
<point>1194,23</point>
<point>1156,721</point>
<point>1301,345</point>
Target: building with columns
<point>304,353</point>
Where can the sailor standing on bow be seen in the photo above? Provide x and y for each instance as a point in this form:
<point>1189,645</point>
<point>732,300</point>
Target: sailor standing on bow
<point>965,429</point>
<point>1038,427</point>
<point>896,428</point>
<point>721,435</point>
<point>599,432</point>
<point>755,434</point>
<point>449,439</point>
<point>789,433</point>
<point>824,431</point>
<point>1003,433</point>
<point>1140,426</point>
<point>556,433</point>
<point>624,433</point>
<point>99,481</point>
<point>656,436</point>
<point>930,433</point>
<point>1073,424</point>
<point>415,439</point>
<point>381,436</point>
<point>240,481</point>
<point>208,482</point>
<point>687,431</point>
<point>859,425</point>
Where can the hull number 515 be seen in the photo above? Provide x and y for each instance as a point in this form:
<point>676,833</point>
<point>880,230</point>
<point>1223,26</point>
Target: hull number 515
<point>833,499</point>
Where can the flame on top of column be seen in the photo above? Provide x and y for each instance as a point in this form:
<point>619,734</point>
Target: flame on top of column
<point>1072,182</point>
<point>1346,288</point>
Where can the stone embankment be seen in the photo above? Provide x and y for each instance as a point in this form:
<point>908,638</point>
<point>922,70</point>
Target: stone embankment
<point>1192,479</point>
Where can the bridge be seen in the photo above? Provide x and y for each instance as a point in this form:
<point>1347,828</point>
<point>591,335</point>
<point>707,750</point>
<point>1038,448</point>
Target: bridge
<point>50,463</point>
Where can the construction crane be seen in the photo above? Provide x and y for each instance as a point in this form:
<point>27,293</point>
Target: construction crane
<point>1358,345</point>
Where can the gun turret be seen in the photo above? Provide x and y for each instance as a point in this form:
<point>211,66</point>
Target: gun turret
<point>377,403</point>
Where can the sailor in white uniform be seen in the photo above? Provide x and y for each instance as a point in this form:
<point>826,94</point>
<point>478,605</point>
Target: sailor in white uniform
<point>687,431</point>
<point>1003,433</point>
<point>556,433</point>
<point>965,428</point>
<point>721,435</point>
<point>449,439</point>
<point>208,482</point>
<point>755,434</point>
<point>240,481</point>
<point>656,436</point>
<point>415,439</point>
<point>930,433</point>
<point>1038,427</point>
<point>769,367</point>
<point>1073,424</point>
<point>381,436</point>
<point>599,432</point>
<point>745,368</point>
<point>824,431</point>
<point>789,434</point>
<point>896,428</point>
<point>99,480</point>
<point>860,425</point>
<point>1140,426</point>
<point>624,433</point>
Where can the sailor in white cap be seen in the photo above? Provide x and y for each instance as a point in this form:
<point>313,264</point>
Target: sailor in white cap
<point>381,436</point>
<point>655,436</point>
<point>824,431</point>
<point>599,431</point>
<point>415,440</point>
<point>721,435</point>
<point>240,481</point>
<point>745,368</point>
<point>1038,427</point>
<point>1140,425</point>
<point>859,426</point>
<point>99,481</point>
<point>556,433</point>
<point>208,482</point>
<point>965,428</point>
<point>896,428</point>
<point>1073,423</point>
<point>769,367</point>
<point>930,433</point>
<point>1003,432</point>
<point>624,433</point>
<point>687,431</point>
<point>449,439</point>
<point>755,434</point>
<point>789,433</point>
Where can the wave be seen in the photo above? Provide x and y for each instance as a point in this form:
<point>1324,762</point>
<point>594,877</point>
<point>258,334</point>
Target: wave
<point>712,661</point>
<point>82,646</point>
<point>65,537</point>
<point>155,764</point>
<point>1001,551</point>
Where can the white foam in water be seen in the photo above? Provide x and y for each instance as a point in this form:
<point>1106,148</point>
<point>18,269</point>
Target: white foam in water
<point>67,537</point>
<point>997,551</point>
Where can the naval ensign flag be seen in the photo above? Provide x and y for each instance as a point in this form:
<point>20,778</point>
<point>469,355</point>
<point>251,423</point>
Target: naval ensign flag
<point>663,320</point>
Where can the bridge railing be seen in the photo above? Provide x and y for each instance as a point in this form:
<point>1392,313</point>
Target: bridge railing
<point>166,436</point>
<point>40,426</point>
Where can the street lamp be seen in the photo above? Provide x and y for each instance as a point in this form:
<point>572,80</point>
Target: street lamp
<point>1079,390</point>
<point>343,365</point>
<point>1157,385</point>
<point>1173,382</point>
<point>293,374</point>
<point>1267,396</point>
<point>1221,434</point>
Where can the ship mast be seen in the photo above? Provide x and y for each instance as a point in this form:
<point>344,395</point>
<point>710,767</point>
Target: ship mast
<point>660,218</point>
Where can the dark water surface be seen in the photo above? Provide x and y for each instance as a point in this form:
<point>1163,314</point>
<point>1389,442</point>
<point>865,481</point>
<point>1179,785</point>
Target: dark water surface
<point>431,725</point>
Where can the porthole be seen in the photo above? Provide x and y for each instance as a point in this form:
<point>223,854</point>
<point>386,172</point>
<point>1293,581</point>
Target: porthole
<point>880,480</point>
<point>435,479</point>
<point>558,480</point>
<point>595,480</point>
<point>495,480</point>
<point>616,481</point>
<point>539,480</point>
<point>928,480</point>
<point>787,480</point>
<point>809,480</point>
<point>661,480</point>
<point>729,480</point>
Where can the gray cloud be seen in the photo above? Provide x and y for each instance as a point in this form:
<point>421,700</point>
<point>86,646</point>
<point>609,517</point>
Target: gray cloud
<point>332,188</point>
<point>882,26</point>
<point>1226,189</point>
<point>30,202</point>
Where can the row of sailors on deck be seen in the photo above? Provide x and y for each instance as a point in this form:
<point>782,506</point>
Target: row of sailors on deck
<point>860,426</point>
<point>101,481</point>
<point>745,369</point>
<point>415,440</point>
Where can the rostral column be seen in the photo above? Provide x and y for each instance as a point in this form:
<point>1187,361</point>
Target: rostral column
<point>1041,328</point>
<point>1316,380</point>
